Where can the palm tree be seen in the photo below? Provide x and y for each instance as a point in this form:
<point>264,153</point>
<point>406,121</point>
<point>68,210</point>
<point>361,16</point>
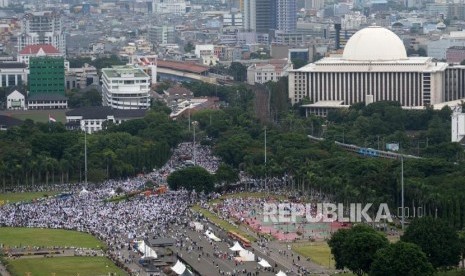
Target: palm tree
<point>3,174</point>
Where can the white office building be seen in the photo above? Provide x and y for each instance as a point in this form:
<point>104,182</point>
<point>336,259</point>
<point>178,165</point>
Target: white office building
<point>125,87</point>
<point>374,67</point>
<point>43,27</point>
<point>177,7</point>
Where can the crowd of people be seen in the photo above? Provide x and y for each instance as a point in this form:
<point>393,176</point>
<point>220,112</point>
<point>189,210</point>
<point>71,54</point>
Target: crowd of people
<point>86,208</point>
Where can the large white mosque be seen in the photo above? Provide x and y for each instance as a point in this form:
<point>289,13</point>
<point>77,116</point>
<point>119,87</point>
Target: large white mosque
<point>374,67</point>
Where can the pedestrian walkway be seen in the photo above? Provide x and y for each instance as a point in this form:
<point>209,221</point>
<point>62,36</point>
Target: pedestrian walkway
<point>3,271</point>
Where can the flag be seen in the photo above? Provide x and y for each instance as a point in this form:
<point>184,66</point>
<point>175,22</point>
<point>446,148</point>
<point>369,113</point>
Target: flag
<point>51,119</point>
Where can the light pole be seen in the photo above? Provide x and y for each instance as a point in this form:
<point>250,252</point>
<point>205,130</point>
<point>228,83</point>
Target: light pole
<point>85,156</point>
<point>194,124</point>
<point>402,188</point>
<point>189,116</point>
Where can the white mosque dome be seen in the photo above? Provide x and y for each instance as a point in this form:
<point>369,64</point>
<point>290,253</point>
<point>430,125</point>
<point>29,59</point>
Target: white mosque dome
<point>374,43</point>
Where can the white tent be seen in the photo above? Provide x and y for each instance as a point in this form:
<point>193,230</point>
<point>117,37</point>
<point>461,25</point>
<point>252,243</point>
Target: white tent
<point>236,247</point>
<point>198,226</point>
<point>83,192</point>
<point>178,268</point>
<point>146,250</point>
<point>280,273</point>
<point>212,236</point>
<point>246,256</point>
<point>112,193</point>
<point>264,263</point>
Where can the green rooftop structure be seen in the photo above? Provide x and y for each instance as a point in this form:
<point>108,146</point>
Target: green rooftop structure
<point>46,75</point>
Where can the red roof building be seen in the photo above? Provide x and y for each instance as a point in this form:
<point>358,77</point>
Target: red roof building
<point>38,50</point>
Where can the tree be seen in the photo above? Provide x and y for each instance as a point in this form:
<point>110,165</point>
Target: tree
<point>298,63</point>
<point>401,259</point>
<point>355,248</point>
<point>238,71</point>
<point>226,174</point>
<point>192,178</point>
<point>189,47</point>
<point>437,239</point>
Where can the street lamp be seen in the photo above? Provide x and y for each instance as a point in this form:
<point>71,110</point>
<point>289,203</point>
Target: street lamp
<point>194,124</point>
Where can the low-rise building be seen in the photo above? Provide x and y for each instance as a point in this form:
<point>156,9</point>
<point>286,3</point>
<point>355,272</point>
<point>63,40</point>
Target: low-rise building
<point>15,101</point>
<point>455,54</point>
<point>92,119</point>
<point>81,77</point>
<point>6,122</point>
<point>47,101</point>
<point>272,71</point>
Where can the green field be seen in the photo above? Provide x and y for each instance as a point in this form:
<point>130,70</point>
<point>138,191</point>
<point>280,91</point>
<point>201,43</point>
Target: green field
<point>61,266</point>
<point>37,115</point>
<point>222,223</point>
<point>247,194</point>
<point>318,252</point>
<point>11,236</point>
<point>15,197</point>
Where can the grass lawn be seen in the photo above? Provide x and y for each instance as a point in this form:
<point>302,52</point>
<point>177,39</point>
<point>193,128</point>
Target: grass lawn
<point>13,236</point>
<point>318,252</point>
<point>37,115</point>
<point>60,266</point>
<point>222,223</point>
<point>247,194</point>
<point>15,197</point>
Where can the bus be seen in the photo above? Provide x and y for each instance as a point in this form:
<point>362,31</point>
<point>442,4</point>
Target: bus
<point>235,236</point>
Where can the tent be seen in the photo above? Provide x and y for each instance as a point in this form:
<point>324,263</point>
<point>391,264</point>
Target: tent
<point>246,256</point>
<point>83,192</point>
<point>198,226</point>
<point>212,236</point>
<point>178,268</point>
<point>146,250</point>
<point>264,263</point>
<point>112,193</point>
<point>236,247</point>
<point>280,273</point>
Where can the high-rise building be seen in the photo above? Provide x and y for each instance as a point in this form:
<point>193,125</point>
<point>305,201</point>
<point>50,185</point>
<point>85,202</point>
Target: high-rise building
<point>286,15</point>
<point>162,35</point>
<point>46,75</point>
<point>249,13</point>
<point>263,16</point>
<point>44,27</point>
<point>259,15</point>
<point>265,13</point>
<point>125,87</point>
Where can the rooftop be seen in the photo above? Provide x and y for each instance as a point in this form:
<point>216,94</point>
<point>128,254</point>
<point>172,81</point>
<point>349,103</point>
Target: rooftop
<point>46,97</point>
<point>12,65</point>
<point>102,112</point>
<point>120,71</point>
<point>182,66</point>
<point>39,48</point>
<point>8,121</point>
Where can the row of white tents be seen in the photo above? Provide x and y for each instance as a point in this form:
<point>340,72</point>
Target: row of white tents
<point>147,251</point>
<point>247,256</point>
